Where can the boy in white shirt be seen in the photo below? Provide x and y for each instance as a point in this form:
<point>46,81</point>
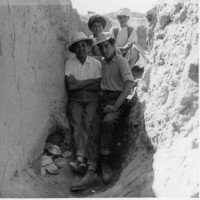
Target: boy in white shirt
<point>126,38</point>
<point>83,74</point>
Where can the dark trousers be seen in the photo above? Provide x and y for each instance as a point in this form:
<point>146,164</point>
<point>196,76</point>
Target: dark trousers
<point>101,139</point>
<point>81,116</point>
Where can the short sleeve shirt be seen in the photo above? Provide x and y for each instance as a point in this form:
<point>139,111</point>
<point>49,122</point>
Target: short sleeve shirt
<point>115,73</point>
<point>122,37</point>
<point>91,69</point>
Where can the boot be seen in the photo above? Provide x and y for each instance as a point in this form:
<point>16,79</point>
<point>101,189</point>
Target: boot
<point>90,179</point>
<point>82,168</point>
<point>107,172</point>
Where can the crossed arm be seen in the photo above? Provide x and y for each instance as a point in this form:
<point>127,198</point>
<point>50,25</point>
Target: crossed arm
<point>89,84</point>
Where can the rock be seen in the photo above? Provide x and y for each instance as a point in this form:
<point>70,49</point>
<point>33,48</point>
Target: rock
<point>60,162</point>
<point>66,154</point>
<point>42,171</point>
<point>46,160</point>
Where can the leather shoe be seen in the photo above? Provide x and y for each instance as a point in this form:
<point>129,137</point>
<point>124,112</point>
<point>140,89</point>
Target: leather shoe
<point>90,179</point>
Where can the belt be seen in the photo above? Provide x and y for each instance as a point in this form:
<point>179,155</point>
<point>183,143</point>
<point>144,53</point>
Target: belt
<point>107,92</point>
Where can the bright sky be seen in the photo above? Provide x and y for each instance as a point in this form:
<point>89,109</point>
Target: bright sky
<point>106,6</point>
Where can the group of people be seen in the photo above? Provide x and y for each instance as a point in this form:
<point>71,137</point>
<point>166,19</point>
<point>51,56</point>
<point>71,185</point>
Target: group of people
<point>99,79</point>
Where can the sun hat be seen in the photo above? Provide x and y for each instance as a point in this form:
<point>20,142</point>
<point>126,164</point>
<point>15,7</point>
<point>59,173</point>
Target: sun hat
<point>79,36</point>
<point>96,18</point>
<point>104,36</point>
<point>123,12</point>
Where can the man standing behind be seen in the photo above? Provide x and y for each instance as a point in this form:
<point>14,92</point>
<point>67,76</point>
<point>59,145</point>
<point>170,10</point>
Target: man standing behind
<point>116,84</point>
<point>83,75</point>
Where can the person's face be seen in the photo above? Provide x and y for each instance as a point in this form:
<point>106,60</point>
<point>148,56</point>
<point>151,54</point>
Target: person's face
<point>97,28</point>
<point>81,49</point>
<point>123,20</point>
<point>106,49</point>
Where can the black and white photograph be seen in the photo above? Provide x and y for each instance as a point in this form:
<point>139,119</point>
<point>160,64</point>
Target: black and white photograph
<point>99,99</point>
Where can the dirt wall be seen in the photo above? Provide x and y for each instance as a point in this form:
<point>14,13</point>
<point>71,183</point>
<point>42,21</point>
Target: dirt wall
<point>171,98</point>
<point>33,35</point>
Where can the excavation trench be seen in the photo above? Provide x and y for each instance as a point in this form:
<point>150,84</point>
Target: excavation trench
<point>156,148</point>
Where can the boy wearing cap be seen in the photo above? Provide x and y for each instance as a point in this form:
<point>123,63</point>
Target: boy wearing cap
<point>116,83</point>
<point>126,38</point>
<point>83,75</point>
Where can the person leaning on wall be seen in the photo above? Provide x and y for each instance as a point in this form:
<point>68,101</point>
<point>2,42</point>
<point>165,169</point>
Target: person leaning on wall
<point>83,74</point>
<point>127,39</point>
<point>116,84</point>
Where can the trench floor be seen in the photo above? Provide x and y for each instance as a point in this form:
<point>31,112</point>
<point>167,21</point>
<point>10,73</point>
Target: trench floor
<point>31,184</point>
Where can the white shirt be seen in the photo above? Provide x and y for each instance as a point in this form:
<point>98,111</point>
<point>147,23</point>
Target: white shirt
<point>91,69</point>
<point>122,37</point>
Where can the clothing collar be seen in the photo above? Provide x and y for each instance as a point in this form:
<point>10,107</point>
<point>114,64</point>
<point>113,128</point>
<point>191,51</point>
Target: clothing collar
<point>87,60</point>
<point>112,59</point>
